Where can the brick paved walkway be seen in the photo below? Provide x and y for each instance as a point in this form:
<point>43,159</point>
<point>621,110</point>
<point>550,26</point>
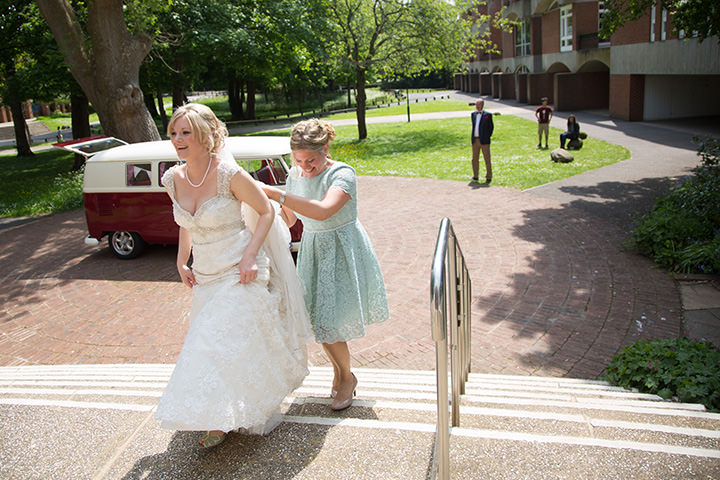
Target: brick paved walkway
<point>553,291</point>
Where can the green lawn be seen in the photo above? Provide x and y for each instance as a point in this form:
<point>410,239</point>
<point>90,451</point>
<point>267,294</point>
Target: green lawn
<point>420,148</point>
<point>39,184</point>
<point>441,149</point>
<point>58,119</point>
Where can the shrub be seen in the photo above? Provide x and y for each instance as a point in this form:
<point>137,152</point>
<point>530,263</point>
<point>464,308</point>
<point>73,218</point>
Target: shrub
<point>682,231</point>
<point>677,368</point>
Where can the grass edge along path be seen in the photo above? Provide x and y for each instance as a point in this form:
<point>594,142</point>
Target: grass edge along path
<point>421,148</point>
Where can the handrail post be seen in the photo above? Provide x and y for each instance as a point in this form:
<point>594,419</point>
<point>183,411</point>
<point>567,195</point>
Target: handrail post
<point>451,285</point>
<point>450,292</point>
<point>439,334</point>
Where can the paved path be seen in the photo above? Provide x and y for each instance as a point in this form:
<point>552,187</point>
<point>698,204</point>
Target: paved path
<point>554,292</point>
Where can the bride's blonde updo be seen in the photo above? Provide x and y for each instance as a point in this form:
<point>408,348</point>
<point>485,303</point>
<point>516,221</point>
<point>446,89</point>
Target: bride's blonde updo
<point>312,134</point>
<point>206,127</point>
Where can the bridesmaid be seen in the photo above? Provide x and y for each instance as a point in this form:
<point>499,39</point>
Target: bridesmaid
<point>344,285</point>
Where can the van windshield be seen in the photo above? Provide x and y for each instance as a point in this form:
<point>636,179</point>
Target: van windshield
<point>89,146</point>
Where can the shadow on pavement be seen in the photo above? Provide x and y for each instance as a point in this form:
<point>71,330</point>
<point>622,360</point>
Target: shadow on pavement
<point>156,264</point>
<point>284,453</point>
<point>622,203</point>
<point>574,296</point>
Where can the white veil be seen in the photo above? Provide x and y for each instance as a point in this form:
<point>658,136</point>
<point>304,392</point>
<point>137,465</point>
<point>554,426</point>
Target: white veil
<point>277,248</point>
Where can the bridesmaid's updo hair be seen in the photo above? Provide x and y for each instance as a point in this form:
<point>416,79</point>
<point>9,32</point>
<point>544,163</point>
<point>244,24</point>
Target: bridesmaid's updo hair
<point>206,127</point>
<point>312,134</point>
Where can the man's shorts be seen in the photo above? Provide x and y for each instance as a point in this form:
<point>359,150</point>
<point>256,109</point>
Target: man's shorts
<point>543,128</point>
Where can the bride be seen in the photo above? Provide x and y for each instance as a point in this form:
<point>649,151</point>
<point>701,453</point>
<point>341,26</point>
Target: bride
<point>245,350</point>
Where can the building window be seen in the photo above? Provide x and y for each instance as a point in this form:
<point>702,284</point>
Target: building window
<point>566,28</point>
<point>652,23</point>
<point>522,38</point>
<point>663,25</point>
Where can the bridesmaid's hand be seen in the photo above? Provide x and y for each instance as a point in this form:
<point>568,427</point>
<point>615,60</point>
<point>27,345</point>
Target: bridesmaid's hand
<point>271,192</point>
<point>248,269</point>
<point>187,276</point>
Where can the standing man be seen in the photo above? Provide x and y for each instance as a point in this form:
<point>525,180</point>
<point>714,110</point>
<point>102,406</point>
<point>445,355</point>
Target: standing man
<point>543,115</point>
<point>482,130</point>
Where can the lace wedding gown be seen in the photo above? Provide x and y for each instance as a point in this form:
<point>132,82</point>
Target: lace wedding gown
<point>245,349</point>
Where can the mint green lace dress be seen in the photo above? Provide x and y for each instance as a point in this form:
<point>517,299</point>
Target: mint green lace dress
<point>344,287</point>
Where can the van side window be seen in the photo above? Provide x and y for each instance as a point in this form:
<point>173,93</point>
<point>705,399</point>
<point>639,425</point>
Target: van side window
<point>138,174</point>
<point>267,171</point>
<point>164,167</point>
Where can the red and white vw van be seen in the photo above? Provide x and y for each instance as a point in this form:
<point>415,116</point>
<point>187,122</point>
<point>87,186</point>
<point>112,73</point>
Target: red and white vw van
<point>126,201</point>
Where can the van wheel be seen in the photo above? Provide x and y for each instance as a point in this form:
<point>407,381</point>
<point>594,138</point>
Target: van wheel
<point>126,245</point>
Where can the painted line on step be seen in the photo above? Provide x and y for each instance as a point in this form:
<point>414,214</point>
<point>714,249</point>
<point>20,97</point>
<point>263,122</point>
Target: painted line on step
<point>39,402</point>
<point>585,442</point>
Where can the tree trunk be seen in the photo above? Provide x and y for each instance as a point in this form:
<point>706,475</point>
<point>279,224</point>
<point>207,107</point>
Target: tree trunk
<point>80,115</point>
<point>22,142</point>
<point>250,102</point>
<point>234,99</point>
<point>300,100</point>
<point>161,107</point>
<point>80,121</point>
<point>178,88</point>
<point>360,101</point>
<point>150,104</point>
<point>106,64</point>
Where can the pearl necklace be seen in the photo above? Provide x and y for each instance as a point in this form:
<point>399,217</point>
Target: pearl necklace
<point>187,175</point>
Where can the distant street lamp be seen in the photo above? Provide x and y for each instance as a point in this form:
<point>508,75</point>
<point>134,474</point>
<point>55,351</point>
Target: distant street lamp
<point>407,97</point>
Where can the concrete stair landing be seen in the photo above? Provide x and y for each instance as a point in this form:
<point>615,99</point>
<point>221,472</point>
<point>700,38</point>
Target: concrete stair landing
<point>96,422</point>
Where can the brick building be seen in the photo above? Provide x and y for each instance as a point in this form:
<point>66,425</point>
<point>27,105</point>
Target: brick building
<point>643,72</point>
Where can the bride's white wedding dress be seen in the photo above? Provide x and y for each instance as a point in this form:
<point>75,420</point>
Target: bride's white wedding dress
<point>245,350</point>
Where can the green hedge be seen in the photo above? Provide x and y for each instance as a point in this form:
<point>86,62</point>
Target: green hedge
<point>682,231</point>
<point>677,368</point>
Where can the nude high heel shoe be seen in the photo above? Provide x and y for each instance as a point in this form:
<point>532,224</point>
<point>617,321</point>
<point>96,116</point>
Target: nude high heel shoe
<point>340,404</point>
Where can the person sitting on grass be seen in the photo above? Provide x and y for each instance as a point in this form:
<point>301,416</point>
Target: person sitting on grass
<point>572,131</point>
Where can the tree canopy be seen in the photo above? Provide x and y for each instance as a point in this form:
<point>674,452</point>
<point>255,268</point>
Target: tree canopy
<point>695,17</point>
<point>104,50</point>
<point>387,37</point>
<point>241,45</point>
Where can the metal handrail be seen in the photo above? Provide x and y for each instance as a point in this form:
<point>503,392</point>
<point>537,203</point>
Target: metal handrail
<point>450,297</point>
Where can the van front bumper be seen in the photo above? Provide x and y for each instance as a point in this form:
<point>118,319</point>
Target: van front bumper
<point>93,242</point>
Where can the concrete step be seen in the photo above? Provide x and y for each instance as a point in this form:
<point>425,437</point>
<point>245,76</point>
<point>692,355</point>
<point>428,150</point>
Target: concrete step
<point>587,421</point>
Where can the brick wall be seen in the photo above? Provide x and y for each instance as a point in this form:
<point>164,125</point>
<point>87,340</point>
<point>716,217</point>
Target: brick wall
<point>585,25</point>
<point>496,84</point>
<point>633,32</point>
<point>536,36</point>
<point>507,86</point>
<point>521,87</point>
<point>581,91</point>
<point>539,85</point>
<point>474,86</point>
<point>551,32</point>
<point>627,96</point>
<point>486,83</point>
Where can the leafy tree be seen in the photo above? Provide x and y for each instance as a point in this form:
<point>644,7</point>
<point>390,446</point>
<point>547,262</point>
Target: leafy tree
<point>16,65</point>
<point>33,68</point>
<point>103,43</point>
<point>696,16</point>
<point>383,38</point>
<point>271,42</point>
